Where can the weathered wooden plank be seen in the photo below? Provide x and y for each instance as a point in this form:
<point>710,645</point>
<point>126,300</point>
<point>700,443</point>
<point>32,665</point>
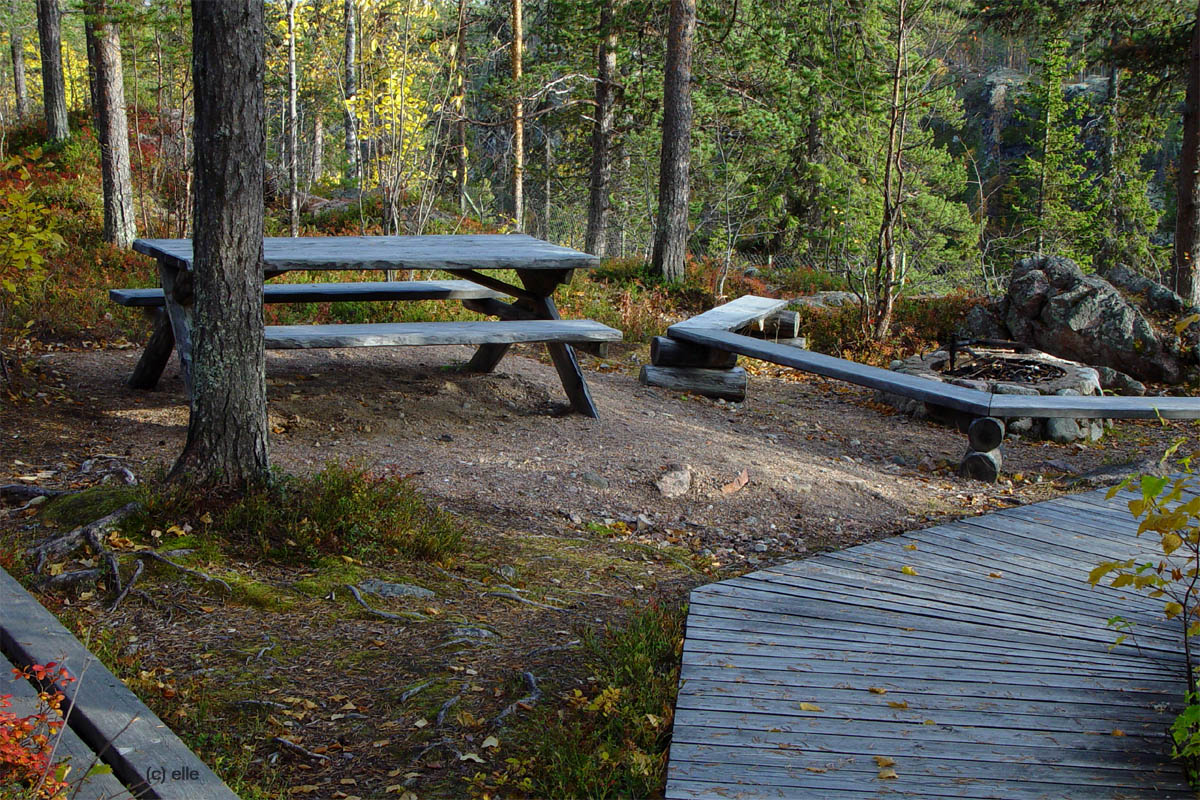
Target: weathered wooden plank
<point>954,718</point>
<point>105,713</point>
<point>944,394</point>
<point>730,316</point>
<point>69,747</point>
<point>438,333</point>
<point>474,251</point>
<point>335,292</point>
<point>1120,755</point>
<point>1095,406</point>
<point>863,766</point>
<point>732,789</point>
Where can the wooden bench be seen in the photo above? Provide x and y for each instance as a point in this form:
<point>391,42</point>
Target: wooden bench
<point>409,334</point>
<point>334,292</point>
<point>147,759</point>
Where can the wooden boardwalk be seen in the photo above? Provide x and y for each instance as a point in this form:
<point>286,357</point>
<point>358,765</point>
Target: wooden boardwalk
<point>989,673</point>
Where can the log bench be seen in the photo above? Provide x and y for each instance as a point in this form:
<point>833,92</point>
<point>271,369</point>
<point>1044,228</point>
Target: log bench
<point>147,759</point>
<point>695,356</point>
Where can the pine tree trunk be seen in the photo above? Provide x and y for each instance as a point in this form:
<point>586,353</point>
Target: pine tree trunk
<point>54,96</point>
<point>600,189</point>
<point>518,147</point>
<point>1187,220</point>
<point>16,38</point>
<point>351,91</point>
<point>293,138</point>
<point>670,239</point>
<point>227,430</point>
<point>112,126</point>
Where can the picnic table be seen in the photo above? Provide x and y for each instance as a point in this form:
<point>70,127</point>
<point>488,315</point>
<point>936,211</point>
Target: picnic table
<point>529,316</point>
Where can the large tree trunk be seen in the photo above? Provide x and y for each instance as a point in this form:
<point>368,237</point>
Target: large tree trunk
<point>293,137</point>
<point>599,189</point>
<point>518,171</point>
<point>227,431</point>
<point>670,240</point>
<point>1187,219</point>
<point>54,96</point>
<point>16,39</point>
<point>112,126</point>
<point>351,81</point>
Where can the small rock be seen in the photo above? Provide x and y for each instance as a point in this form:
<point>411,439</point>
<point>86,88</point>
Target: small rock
<point>445,437</point>
<point>386,589</point>
<point>450,388</point>
<point>575,518</point>
<point>594,479</point>
<point>1062,429</point>
<point>927,464</point>
<point>1058,464</point>
<point>507,572</point>
<point>675,482</point>
<point>760,547</point>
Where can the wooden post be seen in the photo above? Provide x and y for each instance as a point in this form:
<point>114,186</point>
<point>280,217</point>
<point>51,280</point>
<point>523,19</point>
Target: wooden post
<point>982,466</point>
<point>986,433</point>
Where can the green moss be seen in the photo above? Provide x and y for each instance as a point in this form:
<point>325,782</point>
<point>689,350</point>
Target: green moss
<point>73,510</point>
<point>331,574</point>
<point>256,594</point>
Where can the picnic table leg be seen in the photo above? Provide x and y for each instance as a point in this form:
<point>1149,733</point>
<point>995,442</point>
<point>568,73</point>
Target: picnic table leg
<point>543,283</point>
<point>156,355</point>
<point>487,357</point>
<point>177,291</point>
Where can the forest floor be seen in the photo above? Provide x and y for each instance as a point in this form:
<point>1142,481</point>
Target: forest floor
<point>562,513</point>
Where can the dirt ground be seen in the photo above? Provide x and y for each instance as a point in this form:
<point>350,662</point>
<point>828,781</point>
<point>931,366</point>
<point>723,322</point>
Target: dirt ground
<point>567,530</point>
<point>827,465</point>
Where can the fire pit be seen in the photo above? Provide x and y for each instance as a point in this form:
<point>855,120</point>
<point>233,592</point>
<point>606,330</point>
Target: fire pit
<point>1005,368</point>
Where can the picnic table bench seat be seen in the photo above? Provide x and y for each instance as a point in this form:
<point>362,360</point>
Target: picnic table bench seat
<point>334,292</point>
<point>393,334</point>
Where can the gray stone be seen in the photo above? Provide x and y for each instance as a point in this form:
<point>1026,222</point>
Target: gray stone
<point>1022,426</point>
<point>1063,429</point>
<point>593,479</point>
<point>1015,388</point>
<point>387,589</point>
<point>675,482</point>
<point>1116,381</point>
<point>984,322</point>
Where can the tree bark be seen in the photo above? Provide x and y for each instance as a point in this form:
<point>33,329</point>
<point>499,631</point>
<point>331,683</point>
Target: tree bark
<point>317,167</point>
<point>460,108</point>
<point>293,138</point>
<point>887,257</point>
<point>518,172</point>
<point>670,239</point>
<point>351,80</point>
<point>54,96</point>
<point>599,188</point>
<point>1187,219</point>
<point>227,430</point>
<point>112,125</point>
<point>16,39</point>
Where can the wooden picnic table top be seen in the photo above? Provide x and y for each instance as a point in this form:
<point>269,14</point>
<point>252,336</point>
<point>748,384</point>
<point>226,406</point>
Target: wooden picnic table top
<point>462,252</point>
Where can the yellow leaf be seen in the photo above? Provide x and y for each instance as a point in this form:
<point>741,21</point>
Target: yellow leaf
<point>811,707</point>
<point>908,570</point>
<point>470,757</point>
<point>898,703</point>
<point>816,769</point>
<point>208,609</point>
<point>884,761</point>
<point>56,569</point>
<point>1183,323</point>
<point>876,690</point>
<point>421,723</point>
<point>910,546</point>
<point>995,574</point>
<point>207,518</point>
<point>1172,609</point>
<point>490,741</point>
<point>1118,732</point>
<point>887,774</point>
<point>1171,543</point>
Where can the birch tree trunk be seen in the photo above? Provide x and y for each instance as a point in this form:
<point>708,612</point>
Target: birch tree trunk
<point>670,239</point>
<point>460,108</point>
<point>886,258</point>
<point>600,184</point>
<point>112,125</point>
<point>54,97</point>
<point>227,429</point>
<point>351,91</point>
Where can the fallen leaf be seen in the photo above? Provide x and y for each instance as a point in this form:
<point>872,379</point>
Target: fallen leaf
<point>887,774</point>
<point>208,609</point>
<point>811,707</point>
<point>816,769</point>
<point>995,574</point>
<point>1118,732</point>
<point>884,761</point>
<point>907,570</point>
<point>421,723</point>
<point>898,703</point>
<point>490,741</point>
<point>470,757</point>
<point>910,546</point>
<point>737,483</point>
<point>876,690</point>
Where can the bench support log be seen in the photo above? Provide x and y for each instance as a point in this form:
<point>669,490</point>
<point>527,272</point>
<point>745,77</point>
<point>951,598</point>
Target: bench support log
<point>982,466</point>
<point>725,384</point>
<point>667,352</point>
